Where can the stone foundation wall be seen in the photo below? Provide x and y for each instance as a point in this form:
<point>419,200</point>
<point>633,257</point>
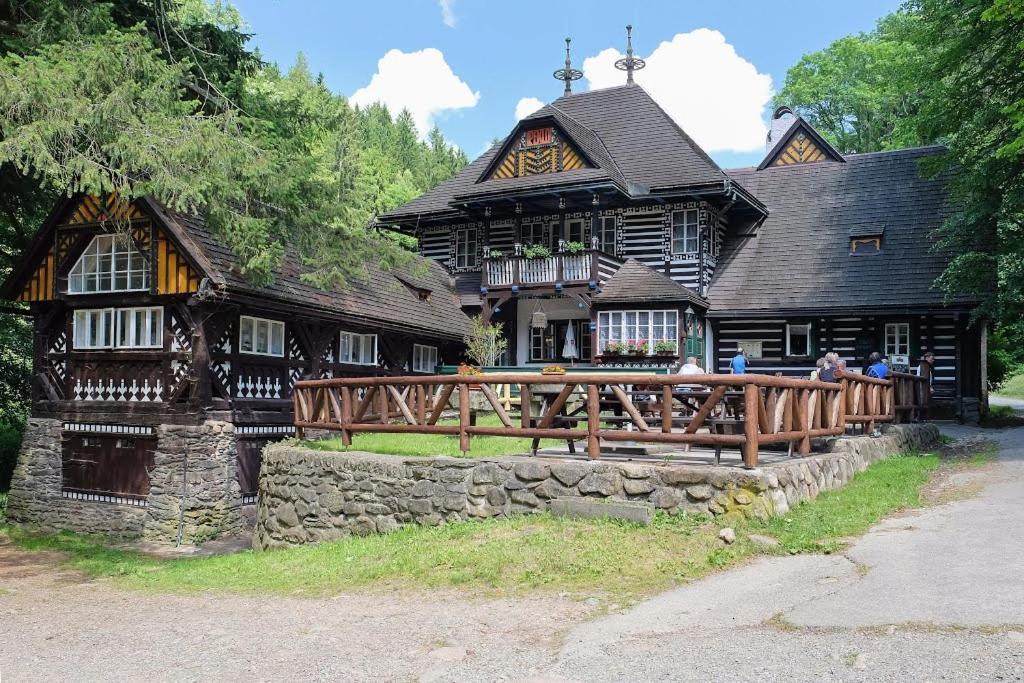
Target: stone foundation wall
<point>308,495</point>
<point>203,458</point>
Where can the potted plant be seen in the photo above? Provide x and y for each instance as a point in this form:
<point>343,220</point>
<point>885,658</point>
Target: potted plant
<point>615,348</point>
<point>495,253</point>
<point>664,347</point>
<point>637,347</point>
<point>575,247</point>
<point>534,251</point>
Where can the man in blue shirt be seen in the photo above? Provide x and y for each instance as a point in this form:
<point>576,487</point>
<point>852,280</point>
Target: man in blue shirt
<point>738,365</point>
<point>876,368</point>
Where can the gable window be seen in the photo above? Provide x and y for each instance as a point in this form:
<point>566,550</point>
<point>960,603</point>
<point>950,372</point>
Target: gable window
<point>424,358</point>
<point>260,336</point>
<point>606,236</point>
<point>897,339</point>
<point>685,232</point>
<point>624,331</point>
<point>798,340</point>
<point>465,248</point>
<point>110,263</point>
<point>123,328</point>
<point>357,349</point>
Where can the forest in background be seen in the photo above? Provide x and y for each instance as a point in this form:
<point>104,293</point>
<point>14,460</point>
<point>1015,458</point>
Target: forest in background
<point>167,98</point>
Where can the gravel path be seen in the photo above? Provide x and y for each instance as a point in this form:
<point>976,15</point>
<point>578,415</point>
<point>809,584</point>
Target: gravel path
<point>936,594</point>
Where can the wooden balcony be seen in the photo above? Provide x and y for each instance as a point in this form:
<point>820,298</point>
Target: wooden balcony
<point>564,268</point>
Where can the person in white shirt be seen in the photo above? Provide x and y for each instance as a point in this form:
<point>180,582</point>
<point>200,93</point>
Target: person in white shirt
<point>690,367</point>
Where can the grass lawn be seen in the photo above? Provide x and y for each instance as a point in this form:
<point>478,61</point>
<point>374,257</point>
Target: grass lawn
<point>1013,387</point>
<point>435,444</point>
<point>582,557</point>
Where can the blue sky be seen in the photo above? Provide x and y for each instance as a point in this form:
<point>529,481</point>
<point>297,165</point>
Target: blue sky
<point>713,65</point>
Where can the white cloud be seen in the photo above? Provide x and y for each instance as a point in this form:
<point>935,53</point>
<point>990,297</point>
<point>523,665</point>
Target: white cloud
<point>448,12</point>
<point>421,82</point>
<point>526,106</point>
<point>715,95</point>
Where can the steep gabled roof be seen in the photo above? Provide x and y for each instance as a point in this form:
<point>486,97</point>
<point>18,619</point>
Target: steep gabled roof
<point>819,148</point>
<point>632,143</point>
<point>635,282</point>
<point>799,260</point>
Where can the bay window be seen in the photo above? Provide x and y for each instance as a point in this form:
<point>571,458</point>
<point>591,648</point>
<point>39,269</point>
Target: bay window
<point>260,336</point>
<point>357,349</point>
<point>110,263</point>
<point>685,232</point>
<point>632,331</point>
<point>424,358</point>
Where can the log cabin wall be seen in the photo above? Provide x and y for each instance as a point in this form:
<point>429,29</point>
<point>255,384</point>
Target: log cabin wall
<point>853,338</point>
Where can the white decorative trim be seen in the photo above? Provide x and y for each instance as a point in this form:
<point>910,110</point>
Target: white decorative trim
<point>118,392</point>
<point>247,388</point>
<point>264,430</point>
<point>108,429</point>
<point>103,498</point>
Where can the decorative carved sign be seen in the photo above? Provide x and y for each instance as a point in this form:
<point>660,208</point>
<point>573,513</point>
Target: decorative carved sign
<point>539,136</point>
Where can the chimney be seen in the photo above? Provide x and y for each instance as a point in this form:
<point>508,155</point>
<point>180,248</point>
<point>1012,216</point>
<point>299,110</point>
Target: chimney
<point>782,119</point>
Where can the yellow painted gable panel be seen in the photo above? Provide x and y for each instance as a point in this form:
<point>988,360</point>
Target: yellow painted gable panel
<point>173,273</point>
<point>94,210</point>
<point>526,159</point>
<point>40,286</point>
<point>800,150</point>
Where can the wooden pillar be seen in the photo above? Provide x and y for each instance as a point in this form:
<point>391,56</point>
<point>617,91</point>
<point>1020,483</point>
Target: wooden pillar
<point>751,397</point>
<point>346,415</point>
<point>524,406</point>
<point>463,417</point>
<point>666,409</point>
<point>593,422</point>
<point>805,422</point>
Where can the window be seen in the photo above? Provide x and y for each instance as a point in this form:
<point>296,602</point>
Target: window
<point>424,358</point>
<point>359,349</point>
<point>897,339</point>
<point>636,327</point>
<point>260,336</point>
<point>465,248</point>
<point>606,234</point>
<point>94,328</point>
<point>685,232</point>
<point>547,343</point>
<point>537,233</point>
<point>574,231</point>
<point>865,245</point>
<point>110,263</point>
<point>140,328</point>
<point>798,340</point>
<point>125,442</point>
<point>123,328</point>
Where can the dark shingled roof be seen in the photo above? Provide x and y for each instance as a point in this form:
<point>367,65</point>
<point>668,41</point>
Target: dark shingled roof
<point>388,299</point>
<point>636,283</point>
<point>631,141</point>
<point>799,259</point>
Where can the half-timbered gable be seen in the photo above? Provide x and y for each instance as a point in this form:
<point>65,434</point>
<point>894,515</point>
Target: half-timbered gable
<point>792,140</point>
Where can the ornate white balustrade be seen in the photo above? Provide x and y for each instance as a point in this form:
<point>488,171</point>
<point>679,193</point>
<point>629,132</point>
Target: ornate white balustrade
<point>263,387</point>
<point>123,392</point>
<point>565,268</point>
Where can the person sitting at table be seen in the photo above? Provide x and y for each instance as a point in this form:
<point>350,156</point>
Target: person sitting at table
<point>829,373</point>
<point>877,368</point>
<point>690,367</point>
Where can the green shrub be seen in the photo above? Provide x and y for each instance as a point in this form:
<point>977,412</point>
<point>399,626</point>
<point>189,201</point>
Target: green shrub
<point>10,443</point>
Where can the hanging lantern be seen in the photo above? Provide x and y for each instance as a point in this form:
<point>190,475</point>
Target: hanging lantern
<point>539,320</point>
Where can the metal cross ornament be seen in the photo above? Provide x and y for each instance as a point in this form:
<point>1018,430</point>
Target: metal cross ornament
<point>568,74</point>
<point>629,63</point>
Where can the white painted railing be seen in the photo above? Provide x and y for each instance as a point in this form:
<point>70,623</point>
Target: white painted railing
<point>513,270</point>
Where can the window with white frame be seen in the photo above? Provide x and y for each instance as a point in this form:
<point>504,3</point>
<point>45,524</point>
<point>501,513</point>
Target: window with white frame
<point>358,349</point>
<point>123,328</point>
<point>140,328</point>
<point>93,328</point>
<point>260,336</point>
<point>465,248</point>
<point>798,340</point>
<point>897,339</point>
<point>110,263</point>
<point>424,358</point>
<point>606,236</point>
<point>685,231</point>
<point>623,330</point>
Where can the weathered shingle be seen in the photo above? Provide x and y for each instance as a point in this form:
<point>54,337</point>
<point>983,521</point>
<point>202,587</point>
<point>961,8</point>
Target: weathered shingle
<point>799,259</point>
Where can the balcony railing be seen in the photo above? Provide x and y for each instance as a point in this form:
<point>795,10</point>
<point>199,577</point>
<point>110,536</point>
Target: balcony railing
<point>583,267</point>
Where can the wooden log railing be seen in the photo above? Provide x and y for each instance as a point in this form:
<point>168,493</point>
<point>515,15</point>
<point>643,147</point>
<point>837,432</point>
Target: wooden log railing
<point>869,400</point>
<point>742,411</point>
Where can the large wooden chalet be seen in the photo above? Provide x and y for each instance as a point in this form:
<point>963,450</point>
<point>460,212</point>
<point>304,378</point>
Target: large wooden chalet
<point>600,213</point>
<point>142,319</point>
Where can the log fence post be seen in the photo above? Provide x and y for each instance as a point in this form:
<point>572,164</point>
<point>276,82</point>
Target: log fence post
<point>593,422</point>
<point>751,398</point>
<point>463,417</point>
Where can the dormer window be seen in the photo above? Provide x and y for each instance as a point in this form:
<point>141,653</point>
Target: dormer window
<point>110,263</point>
<point>866,239</point>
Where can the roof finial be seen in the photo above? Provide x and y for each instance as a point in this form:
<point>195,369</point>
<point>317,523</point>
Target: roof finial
<point>629,63</point>
<point>568,74</point>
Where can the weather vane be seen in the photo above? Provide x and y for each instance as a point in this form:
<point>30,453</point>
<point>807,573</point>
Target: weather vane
<point>629,63</point>
<point>568,74</point>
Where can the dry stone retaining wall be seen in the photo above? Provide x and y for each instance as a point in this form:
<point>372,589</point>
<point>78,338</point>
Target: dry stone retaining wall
<point>200,458</point>
<point>308,495</point>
